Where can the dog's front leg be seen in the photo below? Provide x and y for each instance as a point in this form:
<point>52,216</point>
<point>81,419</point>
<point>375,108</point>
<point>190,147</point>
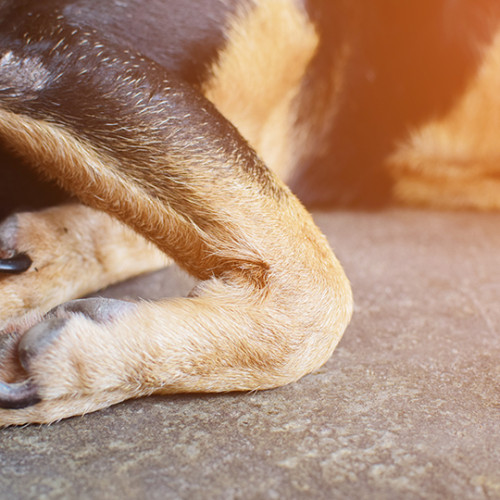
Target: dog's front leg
<point>273,301</point>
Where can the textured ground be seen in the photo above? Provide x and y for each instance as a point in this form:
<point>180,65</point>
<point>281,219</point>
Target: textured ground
<point>408,406</point>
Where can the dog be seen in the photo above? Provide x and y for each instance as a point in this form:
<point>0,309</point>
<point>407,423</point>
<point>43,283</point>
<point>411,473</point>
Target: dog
<point>135,133</point>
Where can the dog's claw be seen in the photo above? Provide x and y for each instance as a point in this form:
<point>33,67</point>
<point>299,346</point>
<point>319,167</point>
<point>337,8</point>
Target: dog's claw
<point>19,395</point>
<point>37,339</point>
<point>15,265</point>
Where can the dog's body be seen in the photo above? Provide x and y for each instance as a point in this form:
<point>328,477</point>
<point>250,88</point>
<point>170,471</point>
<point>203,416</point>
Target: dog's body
<point>153,112</point>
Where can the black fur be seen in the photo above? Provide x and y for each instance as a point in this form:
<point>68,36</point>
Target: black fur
<point>409,62</point>
<point>21,189</point>
<point>183,37</point>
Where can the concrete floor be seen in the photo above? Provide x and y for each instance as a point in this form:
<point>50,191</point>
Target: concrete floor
<point>408,406</point>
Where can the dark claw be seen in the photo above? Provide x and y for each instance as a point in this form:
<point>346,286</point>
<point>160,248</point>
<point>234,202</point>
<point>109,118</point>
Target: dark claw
<point>15,265</point>
<point>20,395</point>
<point>37,339</point>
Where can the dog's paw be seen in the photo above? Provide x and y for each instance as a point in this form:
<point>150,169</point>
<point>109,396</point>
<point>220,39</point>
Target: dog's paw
<point>65,252</point>
<point>49,361</point>
<point>42,255</point>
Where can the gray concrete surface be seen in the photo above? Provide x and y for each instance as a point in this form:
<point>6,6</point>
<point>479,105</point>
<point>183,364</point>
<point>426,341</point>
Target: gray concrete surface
<point>408,407</point>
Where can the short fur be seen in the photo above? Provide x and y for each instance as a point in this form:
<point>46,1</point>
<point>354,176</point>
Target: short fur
<point>159,131</point>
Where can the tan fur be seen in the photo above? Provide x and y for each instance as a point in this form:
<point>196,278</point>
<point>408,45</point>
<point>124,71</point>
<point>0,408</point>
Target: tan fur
<point>454,162</point>
<point>272,305</point>
<point>91,175</point>
<point>94,177</point>
<point>273,301</point>
<point>255,87</point>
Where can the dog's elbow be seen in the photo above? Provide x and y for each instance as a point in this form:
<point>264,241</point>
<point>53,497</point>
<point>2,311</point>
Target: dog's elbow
<point>303,326</point>
<point>321,321</point>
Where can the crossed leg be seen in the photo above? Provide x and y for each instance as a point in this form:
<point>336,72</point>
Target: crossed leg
<point>272,302</point>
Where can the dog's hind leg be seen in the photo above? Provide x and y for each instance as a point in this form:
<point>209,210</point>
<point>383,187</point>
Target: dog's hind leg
<point>273,300</point>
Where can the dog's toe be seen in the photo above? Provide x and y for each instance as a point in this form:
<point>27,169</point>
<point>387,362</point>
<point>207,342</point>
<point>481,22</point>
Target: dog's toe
<point>18,395</point>
<point>37,340</point>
